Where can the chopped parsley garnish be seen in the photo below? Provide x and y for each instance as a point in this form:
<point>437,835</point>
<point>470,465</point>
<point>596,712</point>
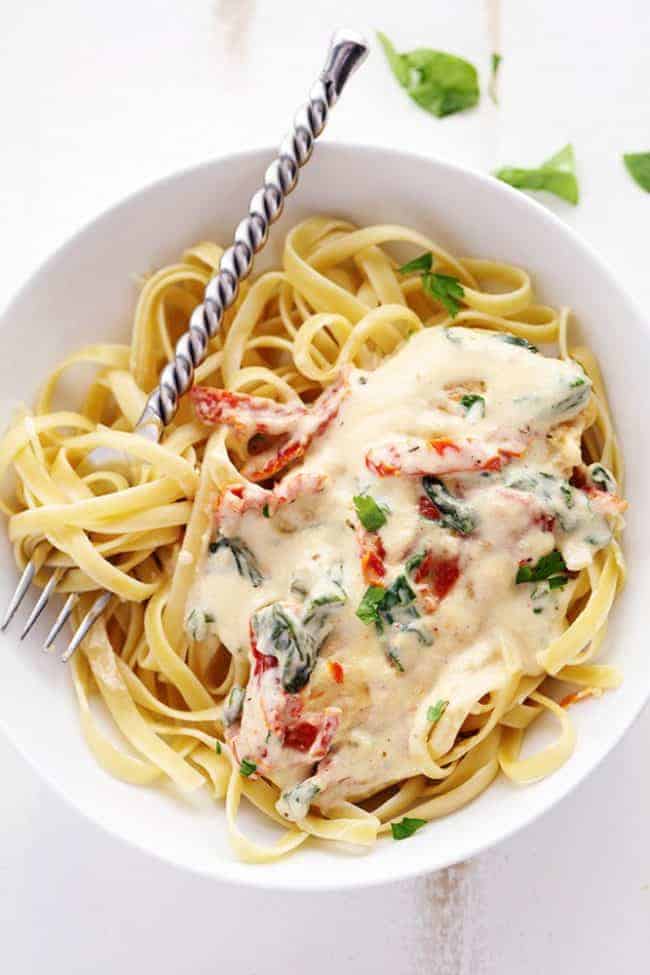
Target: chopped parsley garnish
<point>247,768</point>
<point>446,289</point>
<point>471,400</point>
<point>420,264</point>
<point>435,713</point>
<point>371,515</point>
<point>557,175</point>
<point>377,604</point>
<point>368,611</point>
<point>454,513</point>
<point>577,382</point>
<point>406,827</point>
<point>439,83</point>
<point>638,166</point>
<point>266,512</point>
<point>537,610</point>
<point>551,568</point>
<point>217,747</point>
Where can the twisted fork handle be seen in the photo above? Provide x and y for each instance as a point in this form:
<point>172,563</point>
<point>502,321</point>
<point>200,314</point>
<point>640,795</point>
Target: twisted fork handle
<point>347,51</point>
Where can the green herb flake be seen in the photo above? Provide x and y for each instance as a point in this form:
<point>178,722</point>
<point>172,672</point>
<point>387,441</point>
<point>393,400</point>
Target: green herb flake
<point>435,713</point>
<point>217,747</point>
<point>420,264</point>
<point>523,343</point>
<point>266,512</point>
<point>247,768</point>
<point>414,562</point>
<point>557,175</point>
<point>638,166</point>
<point>471,400</point>
<point>446,289</point>
<point>495,63</point>
<point>438,82</point>
<point>395,660</point>
<point>551,567</point>
<point>537,610</point>
<point>406,827</point>
<point>371,515</point>
<point>368,610</point>
<point>577,382</point>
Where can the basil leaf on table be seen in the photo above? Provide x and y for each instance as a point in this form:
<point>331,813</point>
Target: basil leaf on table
<point>638,166</point>
<point>557,175</point>
<point>438,82</point>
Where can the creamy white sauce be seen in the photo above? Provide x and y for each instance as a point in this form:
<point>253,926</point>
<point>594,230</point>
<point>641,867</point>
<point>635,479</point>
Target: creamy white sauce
<point>527,398</point>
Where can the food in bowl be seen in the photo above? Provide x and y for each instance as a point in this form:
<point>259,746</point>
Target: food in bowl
<point>380,523</point>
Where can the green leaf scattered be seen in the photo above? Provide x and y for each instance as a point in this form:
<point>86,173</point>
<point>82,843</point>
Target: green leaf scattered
<point>371,515</point>
<point>217,747</point>
<point>266,512</point>
<point>435,713</point>
<point>368,611</point>
<point>247,768</point>
<point>422,263</point>
<point>557,175</point>
<point>406,827</point>
<point>438,82</point>
<point>446,289</point>
<point>551,567</point>
<point>638,166</point>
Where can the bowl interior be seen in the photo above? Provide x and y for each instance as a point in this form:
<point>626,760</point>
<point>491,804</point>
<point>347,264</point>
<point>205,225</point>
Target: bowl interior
<point>86,293</point>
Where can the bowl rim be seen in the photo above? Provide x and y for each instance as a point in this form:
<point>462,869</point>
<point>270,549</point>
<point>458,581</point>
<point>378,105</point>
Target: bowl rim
<point>235,872</point>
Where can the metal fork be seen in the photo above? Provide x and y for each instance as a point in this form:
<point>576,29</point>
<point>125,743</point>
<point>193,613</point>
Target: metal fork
<point>346,53</point>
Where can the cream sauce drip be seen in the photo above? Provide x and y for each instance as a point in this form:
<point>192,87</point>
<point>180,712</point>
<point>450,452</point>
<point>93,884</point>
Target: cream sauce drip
<point>379,690</point>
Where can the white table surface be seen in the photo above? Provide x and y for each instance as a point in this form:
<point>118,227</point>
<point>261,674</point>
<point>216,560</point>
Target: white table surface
<point>96,100</point>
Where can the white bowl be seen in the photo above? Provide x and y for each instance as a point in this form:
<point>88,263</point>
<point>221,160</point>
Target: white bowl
<point>85,293</point>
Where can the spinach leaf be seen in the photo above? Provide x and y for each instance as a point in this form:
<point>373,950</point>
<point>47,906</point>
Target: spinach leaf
<point>371,515</point>
<point>557,175</point>
<point>438,82</point>
<point>454,513</point>
<point>601,478</point>
<point>233,706</point>
<point>406,827</point>
<point>245,561</point>
<point>446,289</point>
<point>551,567</point>
<point>474,404</point>
<point>638,166</point>
<point>295,637</point>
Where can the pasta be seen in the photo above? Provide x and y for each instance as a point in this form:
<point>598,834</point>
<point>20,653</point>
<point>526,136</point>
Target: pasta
<point>102,507</point>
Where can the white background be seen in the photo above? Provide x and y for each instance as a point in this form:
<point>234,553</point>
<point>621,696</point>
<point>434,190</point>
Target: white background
<point>99,98</point>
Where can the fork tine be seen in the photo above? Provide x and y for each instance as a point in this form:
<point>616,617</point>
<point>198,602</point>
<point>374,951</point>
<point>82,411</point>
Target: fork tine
<point>91,617</point>
<point>42,602</point>
<point>61,620</point>
<point>19,593</point>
